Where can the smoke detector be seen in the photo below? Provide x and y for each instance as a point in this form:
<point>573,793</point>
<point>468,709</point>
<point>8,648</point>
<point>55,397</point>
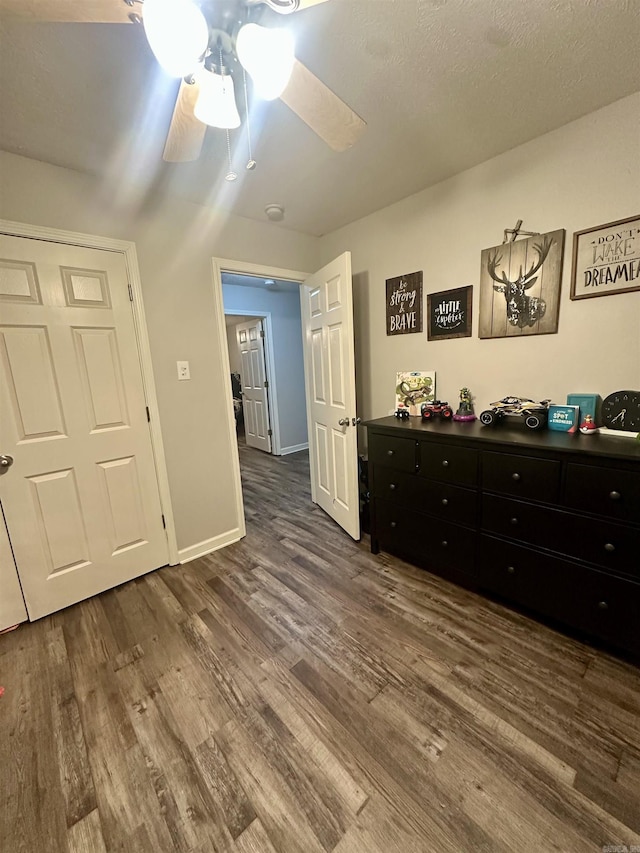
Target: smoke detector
<point>274,212</point>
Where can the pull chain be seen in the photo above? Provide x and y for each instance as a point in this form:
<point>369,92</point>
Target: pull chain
<point>251,163</point>
<point>231,175</point>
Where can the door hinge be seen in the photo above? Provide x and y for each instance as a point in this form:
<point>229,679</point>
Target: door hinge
<point>130,291</point>
<point>269,432</point>
<point>164,524</point>
<point>266,383</point>
<point>148,415</point>
<point>262,333</point>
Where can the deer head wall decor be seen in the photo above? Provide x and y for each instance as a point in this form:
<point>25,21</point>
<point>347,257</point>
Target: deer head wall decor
<point>522,310</point>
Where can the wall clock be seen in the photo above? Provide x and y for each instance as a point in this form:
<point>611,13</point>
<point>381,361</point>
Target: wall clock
<point>621,411</point>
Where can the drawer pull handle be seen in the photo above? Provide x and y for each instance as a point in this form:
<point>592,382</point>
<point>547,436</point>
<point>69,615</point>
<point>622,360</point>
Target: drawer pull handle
<point>603,605</point>
<point>445,502</point>
<point>392,486</point>
<point>615,496</point>
<point>513,521</point>
<point>610,547</point>
<point>445,463</point>
<point>389,452</point>
<point>515,477</point>
<point>393,524</point>
<point>444,543</point>
<point>511,570</point>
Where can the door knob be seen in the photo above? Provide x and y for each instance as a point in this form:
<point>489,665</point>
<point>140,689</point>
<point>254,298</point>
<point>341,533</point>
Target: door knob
<point>355,421</point>
<point>343,422</point>
<point>5,462</point>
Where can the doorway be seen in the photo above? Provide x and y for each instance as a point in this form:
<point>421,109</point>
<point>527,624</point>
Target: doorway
<point>264,339</point>
<point>326,304</point>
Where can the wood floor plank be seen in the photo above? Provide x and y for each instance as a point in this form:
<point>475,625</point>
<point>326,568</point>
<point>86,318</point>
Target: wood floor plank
<point>295,693</point>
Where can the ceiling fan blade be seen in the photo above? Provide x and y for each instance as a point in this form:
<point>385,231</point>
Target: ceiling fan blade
<point>324,112</point>
<point>186,132</point>
<point>304,4</point>
<point>69,11</point>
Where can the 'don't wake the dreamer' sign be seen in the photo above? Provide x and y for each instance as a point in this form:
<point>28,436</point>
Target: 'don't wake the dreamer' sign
<point>404,304</point>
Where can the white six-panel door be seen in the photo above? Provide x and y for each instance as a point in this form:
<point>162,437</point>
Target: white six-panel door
<point>81,499</point>
<point>12,609</point>
<point>257,429</point>
<point>327,316</point>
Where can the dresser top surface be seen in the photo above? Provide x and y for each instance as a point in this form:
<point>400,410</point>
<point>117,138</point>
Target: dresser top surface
<point>513,438</point>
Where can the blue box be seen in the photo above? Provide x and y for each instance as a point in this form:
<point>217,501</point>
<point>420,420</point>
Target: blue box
<point>589,405</point>
<point>564,418</point>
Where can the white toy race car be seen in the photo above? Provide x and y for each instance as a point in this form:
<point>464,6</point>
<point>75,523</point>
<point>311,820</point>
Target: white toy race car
<point>533,414</point>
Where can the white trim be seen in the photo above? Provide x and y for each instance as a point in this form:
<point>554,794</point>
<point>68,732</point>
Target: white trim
<point>294,448</point>
<point>270,359</point>
<point>128,249</point>
<point>223,354</point>
<point>261,270</point>
<point>201,549</point>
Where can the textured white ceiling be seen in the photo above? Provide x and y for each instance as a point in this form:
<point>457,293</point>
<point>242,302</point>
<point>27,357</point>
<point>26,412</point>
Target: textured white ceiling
<point>442,84</point>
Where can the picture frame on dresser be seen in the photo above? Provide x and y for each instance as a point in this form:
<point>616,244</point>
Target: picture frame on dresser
<point>606,259</point>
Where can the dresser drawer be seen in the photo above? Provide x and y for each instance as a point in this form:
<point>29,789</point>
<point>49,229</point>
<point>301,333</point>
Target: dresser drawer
<point>429,539</point>
<point>604,491</point>
<point>521,476</point>
<point>587,599</point>
<point>393,451</point>
<point>441,499</point>
<point>611,546</point>
<point>525,522</point>
<point>448,463</point>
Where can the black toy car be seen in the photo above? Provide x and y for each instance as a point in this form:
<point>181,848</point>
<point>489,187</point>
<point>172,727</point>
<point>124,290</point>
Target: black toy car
<point>436,409</point>
<point>403,414</point>
<point>533,415</point>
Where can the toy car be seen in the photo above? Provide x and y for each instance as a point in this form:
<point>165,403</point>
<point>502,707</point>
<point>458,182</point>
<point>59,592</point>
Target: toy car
<point>436,409</point>
<point>534,415</point>
<point>403,414</point>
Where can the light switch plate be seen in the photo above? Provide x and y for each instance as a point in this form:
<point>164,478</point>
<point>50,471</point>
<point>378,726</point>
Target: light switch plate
<point>183,370</point>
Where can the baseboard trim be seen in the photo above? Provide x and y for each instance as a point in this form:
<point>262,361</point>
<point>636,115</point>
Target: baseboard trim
<point>294,448</point>
<point>200,549</point>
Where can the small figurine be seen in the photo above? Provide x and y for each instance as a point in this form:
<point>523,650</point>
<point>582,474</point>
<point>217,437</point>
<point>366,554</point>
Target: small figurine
<point>588,427</point>
<point>465,409</point>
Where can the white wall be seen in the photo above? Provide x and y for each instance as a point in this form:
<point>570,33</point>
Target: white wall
<point>175,242</point>
<point>582,175</point>
<point>287,345</point>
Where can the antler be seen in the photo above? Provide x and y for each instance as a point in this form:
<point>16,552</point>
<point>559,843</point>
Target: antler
<point>542,250</point>
<point>492,263</point>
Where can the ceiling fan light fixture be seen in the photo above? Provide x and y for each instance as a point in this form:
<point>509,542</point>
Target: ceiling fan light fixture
<point>177,33</point>
<point>216,104</point>
<point>268,55</point>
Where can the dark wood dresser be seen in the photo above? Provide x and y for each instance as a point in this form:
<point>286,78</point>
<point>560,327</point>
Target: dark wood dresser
<point>545,520</point>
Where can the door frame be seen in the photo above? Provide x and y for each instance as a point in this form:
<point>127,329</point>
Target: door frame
<point>220,265</point>
<point>270,371</point>
<point>128,250</point>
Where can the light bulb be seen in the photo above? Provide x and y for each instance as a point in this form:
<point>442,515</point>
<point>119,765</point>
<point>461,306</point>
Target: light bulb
<point>267,54</point>
<point>216,104</point>
<point>177,33</point>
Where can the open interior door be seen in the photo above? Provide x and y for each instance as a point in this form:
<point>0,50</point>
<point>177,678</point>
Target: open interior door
<point>327,328</point>
<point>255,404</point>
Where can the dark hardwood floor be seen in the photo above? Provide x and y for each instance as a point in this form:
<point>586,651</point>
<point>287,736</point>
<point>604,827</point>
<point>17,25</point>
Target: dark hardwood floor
<point>294,693</point>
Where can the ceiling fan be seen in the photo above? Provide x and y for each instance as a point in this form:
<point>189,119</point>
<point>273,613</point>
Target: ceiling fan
<point>219,37</point>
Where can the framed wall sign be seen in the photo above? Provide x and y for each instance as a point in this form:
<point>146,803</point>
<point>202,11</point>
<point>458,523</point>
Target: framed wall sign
<point>449,314</point>
<point>520,287</point>
<point>606,259</point>
<point>404,304</point>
